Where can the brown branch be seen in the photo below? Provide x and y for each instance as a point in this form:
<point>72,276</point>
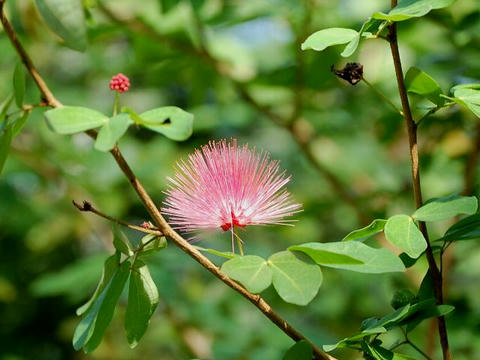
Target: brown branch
<point>47,94</point>
<point>417,191</point>
<point>222,69</point>
<point>154,212</point>
<point>87,207</point>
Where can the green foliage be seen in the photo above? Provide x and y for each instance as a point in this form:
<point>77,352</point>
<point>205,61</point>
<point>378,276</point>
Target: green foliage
<point>170,121</point>
<point>74,119</point>
<point>66,19</point>
<point>351,255</point>
<point>295,280</point>
<point>419,82</point>
<point>224,254</point>
<point>407,9</point>
<point>402,232</point>
<point>19,123</point>
<point>401,298</point>
<point>301,350</point>
<point>150,244</point>
<point>19,82</point>
<point>446,207</point>
<point>467,96</point>
<point>251,271</point>
<point>465,229</point>
<point>121,242</point>
<point>5,140</point>
<point>375,227</point>
<point>142,302</point>
<point>90,330</point>
<point>112,131</point>
<point>380,353</point>
<point>322,39</point>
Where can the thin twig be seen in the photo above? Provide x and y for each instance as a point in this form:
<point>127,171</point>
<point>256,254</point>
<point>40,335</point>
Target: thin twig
<point>87,207</point>
<point>157,217</point>
<point>417,192</point>
<point>383,97</point>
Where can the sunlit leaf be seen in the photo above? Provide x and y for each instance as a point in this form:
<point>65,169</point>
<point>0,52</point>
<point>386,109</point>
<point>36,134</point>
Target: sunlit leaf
<point>402,232</point>
<point>446,208</point>
<point>74,119</point>
<point>322,39</point>
<point>112,131</point>
<point>251,271</point>
<point>171,121</point>
<point>351,255</point>
<point>419,82</point>
<point>295,280</point>
<point>407,9</point>
<point>375,227</point>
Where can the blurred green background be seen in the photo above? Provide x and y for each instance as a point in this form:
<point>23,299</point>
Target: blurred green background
<point>51,255</point>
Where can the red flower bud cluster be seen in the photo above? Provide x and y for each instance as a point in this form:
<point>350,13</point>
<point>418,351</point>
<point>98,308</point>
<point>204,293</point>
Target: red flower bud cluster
<point>120,83</point>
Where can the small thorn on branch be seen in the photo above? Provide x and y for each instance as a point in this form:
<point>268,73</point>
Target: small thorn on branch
<point>86,206</point>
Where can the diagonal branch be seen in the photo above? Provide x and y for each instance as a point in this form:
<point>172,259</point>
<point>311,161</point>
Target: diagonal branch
<point>417,191</point>
<point>154,212</point>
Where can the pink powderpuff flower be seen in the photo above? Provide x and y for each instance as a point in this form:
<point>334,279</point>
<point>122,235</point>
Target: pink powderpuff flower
<point>225,186</point>
<point>119,83</point>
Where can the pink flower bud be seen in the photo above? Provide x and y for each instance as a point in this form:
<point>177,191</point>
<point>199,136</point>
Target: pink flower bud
<point>119,83</point>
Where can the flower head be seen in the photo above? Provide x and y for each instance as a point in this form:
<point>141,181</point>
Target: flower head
<point>119,83</point>
<point>223,186</point>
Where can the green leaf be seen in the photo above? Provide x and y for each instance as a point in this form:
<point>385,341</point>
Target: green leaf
<point>301,350</point>
<point>419,82</point>
<point>120,241</point>
<point>465,229</point>
<point>424,312</point>
<point>142,302</point>
<point>367,259</point>
<point>402,232</point>
<point>354,339</point>
<point>407,9</point>
<point>427,288</point>
<point>112,131</point>
<point>19,84</point>
<point>226,254</point>
<point>153,243</point>
<point>66,18</point>
<point>74,119</point>
<point>353,44</point>
<point>90,330</point>
<point>170,121</point>
<point>109,267</point>
<point>250,270</point>
<point>446,208</point>
<point>18,125</point>
<point>468,97</point>
<point>3,113</point>
<point>379,353</point>
<point>322,39</point>
<point>5,140</point>
<point>296,281</point>
<point>375,227</point>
